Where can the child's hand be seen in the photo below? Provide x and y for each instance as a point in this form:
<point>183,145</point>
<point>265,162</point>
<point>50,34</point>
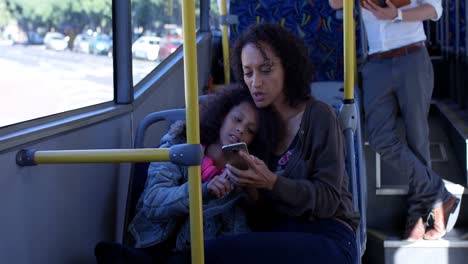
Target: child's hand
<point>219,186</point>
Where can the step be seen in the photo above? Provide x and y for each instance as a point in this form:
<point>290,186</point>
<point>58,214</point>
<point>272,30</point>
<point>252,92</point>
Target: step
<point>453,188</point>
<point>386,247</point>
<point>387,206</point>
<point>455,122</point>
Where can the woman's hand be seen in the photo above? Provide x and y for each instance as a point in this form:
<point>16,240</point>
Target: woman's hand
<point>219,186</point>
<point>256,176</point>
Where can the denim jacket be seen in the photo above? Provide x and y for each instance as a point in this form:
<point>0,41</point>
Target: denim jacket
<point>163,208</point>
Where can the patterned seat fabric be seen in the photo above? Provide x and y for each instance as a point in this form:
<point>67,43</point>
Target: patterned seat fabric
<point>313,20</point>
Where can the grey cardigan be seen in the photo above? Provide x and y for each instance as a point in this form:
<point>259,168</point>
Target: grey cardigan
<point>314,183</point>
<point>163,208</point>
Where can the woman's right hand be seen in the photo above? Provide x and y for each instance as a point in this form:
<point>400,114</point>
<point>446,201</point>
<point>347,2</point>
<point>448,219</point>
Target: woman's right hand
<point>219,186</point>
<point>258,175</point>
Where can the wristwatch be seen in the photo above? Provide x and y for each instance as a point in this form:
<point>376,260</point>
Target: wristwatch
<point>399,16</point>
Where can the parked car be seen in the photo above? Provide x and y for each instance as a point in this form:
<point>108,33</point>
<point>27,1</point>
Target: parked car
<point>56,41</point>
<point>81,43</point>
<point>34,38</point>
<point>169,44</point>
<point>146,47</point>
<point>101,45</point>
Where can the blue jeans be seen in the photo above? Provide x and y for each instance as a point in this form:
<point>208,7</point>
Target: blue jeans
<point>290,241</point>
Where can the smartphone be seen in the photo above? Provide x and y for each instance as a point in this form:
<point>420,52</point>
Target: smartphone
<point>231,155</point>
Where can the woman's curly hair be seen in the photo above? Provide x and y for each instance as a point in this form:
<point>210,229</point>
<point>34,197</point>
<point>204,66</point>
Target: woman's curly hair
<point>214,109</point>
<point>289,48</point>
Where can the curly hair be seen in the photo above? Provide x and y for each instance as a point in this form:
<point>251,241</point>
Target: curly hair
<point>214,109</point>
<point>289,48</point>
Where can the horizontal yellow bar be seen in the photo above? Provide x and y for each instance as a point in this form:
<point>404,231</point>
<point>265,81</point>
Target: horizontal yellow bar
<point>101,155</point>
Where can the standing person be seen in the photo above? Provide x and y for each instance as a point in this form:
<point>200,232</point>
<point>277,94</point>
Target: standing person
<point>398,77</point>
<point>311,215</point>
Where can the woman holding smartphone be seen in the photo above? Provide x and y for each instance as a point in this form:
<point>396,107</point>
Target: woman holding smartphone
<point>311,215</point>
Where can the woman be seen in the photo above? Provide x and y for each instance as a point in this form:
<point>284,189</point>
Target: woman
<point>161,220</point>
<point>307,189</point>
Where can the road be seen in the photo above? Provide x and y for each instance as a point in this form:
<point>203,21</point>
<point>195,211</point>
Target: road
<point>35,82</point>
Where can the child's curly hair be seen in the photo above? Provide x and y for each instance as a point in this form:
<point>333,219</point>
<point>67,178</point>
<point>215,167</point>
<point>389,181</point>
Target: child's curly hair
<point>214,109</point>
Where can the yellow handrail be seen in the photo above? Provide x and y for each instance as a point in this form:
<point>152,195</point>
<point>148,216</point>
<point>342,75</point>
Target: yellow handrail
<point>101,155</point>
<point>193,130</point>
<point>225,43</point>
<point>349,49</point>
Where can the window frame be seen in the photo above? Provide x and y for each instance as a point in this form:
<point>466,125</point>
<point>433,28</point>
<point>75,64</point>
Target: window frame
<point>14,135</point>
<point>39,128</point>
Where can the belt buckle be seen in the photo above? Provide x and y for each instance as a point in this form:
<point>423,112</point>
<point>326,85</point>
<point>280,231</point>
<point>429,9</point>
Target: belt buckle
<point>401,52</point>
<point>393,53</point>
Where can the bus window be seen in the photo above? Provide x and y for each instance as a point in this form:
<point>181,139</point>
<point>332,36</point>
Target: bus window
<point>54,57</point>
<point>215,7</point>
<point>156,20</point>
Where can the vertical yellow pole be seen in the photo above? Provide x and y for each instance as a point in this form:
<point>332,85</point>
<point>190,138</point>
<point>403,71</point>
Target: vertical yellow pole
<point>349,49</point>
<point>193,133</point>
<point>225,42</point>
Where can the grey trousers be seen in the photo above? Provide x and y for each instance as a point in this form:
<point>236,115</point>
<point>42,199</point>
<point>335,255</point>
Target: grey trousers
<point>404,84</point>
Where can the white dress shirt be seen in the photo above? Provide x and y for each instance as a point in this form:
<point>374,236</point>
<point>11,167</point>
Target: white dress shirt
<point>384,35</point>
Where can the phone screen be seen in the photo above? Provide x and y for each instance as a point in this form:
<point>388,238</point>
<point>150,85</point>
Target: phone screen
<point>231,155</point>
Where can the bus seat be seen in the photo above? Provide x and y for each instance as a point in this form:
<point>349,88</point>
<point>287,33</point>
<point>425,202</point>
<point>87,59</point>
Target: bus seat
<point>111,252</point>
<point>315,21</point>
<point>332,94</point>
<point>217,64</point>
<point>140,170</point>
